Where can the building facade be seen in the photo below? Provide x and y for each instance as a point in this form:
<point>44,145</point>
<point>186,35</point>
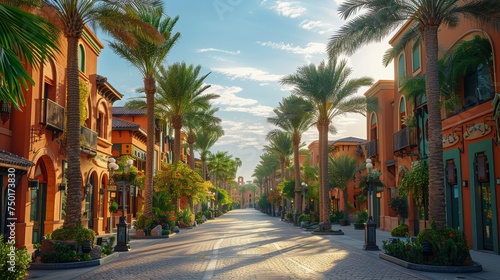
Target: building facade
<point>397,138</point>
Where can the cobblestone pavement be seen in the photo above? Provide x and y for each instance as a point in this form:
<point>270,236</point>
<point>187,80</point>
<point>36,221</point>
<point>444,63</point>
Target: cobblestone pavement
<point>242,244</point>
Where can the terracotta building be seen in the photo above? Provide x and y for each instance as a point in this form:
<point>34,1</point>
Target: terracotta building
<point>397,138</point>
<point>33,143</point>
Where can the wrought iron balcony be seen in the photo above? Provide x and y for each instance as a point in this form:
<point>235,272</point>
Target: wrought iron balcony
<point>371,148</point>
<point>52,115</point>
<point>403,139</point>
<point>88,141</point>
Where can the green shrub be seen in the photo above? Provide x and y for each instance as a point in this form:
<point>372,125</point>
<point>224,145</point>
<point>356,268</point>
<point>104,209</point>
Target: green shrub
<point>10,270</point>
<point>337,216</point>
<point>185,217</point>
<point>361,217</point>
<point>107,247</point>
<point>143,223</point>
<point>448,245</point>
<point>400,231</point>
<point>63,253</point>
<point>77,234</point>
<point>304,218</point>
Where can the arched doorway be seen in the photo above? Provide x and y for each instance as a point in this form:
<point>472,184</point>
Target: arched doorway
<point>90,192</point>
<point>41,188</point>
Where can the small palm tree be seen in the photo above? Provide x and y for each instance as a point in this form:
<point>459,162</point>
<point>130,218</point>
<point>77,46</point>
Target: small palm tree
<point>205,138</point>
<point>294,115</point>
<point>280,145</point>
<point>378,19</point>
<point>342,169</point>
<point>330,92</point>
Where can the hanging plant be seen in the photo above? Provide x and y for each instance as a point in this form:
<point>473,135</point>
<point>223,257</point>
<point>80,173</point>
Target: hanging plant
<point>416,182</point>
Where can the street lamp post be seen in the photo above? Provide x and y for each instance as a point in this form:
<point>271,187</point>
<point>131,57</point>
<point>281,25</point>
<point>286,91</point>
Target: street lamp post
<point>370,225</point>
<point>122,227</point>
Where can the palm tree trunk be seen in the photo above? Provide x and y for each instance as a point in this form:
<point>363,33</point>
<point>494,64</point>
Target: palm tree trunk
<point>191,150</point>
<point>150,89</point>
<point>323,174</point>
<point>177,125</point>
<point>74,197</point>
<point>437,203</point>
<point>296,170</point>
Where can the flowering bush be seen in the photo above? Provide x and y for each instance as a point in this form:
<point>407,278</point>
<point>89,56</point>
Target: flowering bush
<point>399,205</point>
<point>179,180</point>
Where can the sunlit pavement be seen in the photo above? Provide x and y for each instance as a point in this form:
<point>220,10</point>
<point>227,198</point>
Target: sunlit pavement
<point>246,244</point>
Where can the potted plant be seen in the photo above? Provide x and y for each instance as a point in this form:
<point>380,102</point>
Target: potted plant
<point>361,218</point>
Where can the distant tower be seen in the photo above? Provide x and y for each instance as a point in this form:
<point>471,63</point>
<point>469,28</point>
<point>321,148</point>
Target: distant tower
<point>240,181</point>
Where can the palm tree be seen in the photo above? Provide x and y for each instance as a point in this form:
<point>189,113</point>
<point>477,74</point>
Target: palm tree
<point>294,115</point>
<point>204,140</point>
<point>147,57</point>
<point>378,19</point>
<point>280,145</point>
<point>342,169</point>
<point>18,45</point>
<point>331,93</point>
<point>181,93</point>
<point>118,18</point>
<point>198,120</point>
<point>219,164</point>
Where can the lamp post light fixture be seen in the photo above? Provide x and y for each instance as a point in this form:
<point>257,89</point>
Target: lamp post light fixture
<point>122,227</point>
<point>370,225</point>
<point>304,190</point>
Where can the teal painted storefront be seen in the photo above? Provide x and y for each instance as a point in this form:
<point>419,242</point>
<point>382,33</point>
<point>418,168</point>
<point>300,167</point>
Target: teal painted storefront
<point>483,196</point>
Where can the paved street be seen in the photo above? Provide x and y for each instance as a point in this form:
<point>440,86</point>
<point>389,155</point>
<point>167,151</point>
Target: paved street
<point>244,244</point>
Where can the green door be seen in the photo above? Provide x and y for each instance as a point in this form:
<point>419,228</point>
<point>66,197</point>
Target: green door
<point>37,211</point>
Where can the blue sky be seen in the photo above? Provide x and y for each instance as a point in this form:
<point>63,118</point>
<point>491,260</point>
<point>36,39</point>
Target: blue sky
<point>248,46</point>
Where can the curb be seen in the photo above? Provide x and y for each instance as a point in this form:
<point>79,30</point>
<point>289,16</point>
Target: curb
<point>327,233</point>
<point>477,267</point>
<point>70,265</point>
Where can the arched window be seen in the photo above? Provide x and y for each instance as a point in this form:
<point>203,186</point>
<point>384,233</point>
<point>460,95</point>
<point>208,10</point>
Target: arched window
<point>373,127</point>
<point>416,57</point>
<point>81,58</point>
<point>402,112</point>
<point>401,70</point>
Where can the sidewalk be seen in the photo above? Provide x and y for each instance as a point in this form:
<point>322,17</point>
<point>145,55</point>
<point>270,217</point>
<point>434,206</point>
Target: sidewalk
<point>490,262</point>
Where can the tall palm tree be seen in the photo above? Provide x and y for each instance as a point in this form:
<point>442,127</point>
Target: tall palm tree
<point>18,45</point>
<point>181,92</point>
<point>294,115</point>
<point>147,56</point>
<point>342,169</point>
<point>118,18</point>
<point>330,91</point>
<point>378,19</point>
<point>204,140</point>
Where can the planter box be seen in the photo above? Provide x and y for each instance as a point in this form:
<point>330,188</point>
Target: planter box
<point>433,268</point>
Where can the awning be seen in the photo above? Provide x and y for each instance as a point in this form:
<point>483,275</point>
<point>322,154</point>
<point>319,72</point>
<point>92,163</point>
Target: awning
<point>9,160</point>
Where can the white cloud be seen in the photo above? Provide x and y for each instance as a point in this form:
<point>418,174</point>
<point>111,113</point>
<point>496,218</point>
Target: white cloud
<point>218,50</point>
<point>248,73</point>
<point>308,51</point>
<point>259,110</point>
<point>289,9</point>
<point>320,26</point>
<point>228,96</point>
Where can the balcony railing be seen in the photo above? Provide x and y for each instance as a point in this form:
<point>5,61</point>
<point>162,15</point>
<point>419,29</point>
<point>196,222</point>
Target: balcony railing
<point>88,141</point>
<point>52,115</point>
<point>405,138</point>
<point>371,148</point>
